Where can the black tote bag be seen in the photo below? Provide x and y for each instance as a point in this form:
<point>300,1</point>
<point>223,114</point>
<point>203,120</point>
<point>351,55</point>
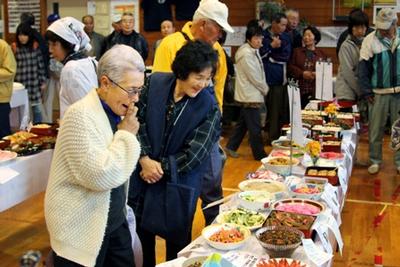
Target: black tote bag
<point>168,207</point>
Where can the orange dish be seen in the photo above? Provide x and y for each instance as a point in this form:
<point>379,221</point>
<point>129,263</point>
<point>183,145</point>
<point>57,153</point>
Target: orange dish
<point>227,236</point>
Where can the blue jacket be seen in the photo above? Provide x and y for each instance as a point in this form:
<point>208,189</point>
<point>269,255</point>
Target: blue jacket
<point>275,59</point>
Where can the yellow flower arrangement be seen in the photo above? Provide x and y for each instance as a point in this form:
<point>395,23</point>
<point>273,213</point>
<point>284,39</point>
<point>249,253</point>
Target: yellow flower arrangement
<point>332,109</point>
<point>313,148</point>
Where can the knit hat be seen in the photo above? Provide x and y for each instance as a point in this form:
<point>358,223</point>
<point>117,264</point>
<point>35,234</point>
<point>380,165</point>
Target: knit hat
<point>214,10</point>
<point>71,30</point>
<point>385,18</point>
<point>116,18</point>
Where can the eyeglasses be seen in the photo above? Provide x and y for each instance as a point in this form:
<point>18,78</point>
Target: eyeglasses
<point>131,92</point>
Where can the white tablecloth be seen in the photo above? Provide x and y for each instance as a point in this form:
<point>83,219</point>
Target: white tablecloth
<point>19,117</point>
<point>32,179</point>
<point>200,247</point>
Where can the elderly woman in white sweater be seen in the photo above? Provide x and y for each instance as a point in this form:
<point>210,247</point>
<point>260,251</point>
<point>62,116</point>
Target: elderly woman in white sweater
<point>250,89</point>
<point>95,154</point>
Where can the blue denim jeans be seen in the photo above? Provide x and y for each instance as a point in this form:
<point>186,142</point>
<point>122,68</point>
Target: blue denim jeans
<point>37,113</point>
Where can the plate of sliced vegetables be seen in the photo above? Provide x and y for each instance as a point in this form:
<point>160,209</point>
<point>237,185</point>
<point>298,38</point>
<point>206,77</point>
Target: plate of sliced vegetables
<point>252,220</point>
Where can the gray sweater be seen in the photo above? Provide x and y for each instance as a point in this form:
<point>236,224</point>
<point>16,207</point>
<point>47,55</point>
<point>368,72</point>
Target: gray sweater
<point>346,83</point>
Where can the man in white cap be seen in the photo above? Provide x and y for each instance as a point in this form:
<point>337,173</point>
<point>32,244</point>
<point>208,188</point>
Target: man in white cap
<point>209,20</point>
<point>116,24</point>
<point>379,73</point>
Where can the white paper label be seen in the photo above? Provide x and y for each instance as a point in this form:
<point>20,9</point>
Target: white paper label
<point>295,109</point>
<point>314,253</point>
<point>330,196</point>
<point>334,227</point>
<point>322,232</point>
<point>323,80</point>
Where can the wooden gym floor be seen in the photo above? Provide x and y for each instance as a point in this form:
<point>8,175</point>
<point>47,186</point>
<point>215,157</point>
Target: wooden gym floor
<point>365,233</point>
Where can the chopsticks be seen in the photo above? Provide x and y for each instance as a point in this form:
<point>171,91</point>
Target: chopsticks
<point>219,201</point>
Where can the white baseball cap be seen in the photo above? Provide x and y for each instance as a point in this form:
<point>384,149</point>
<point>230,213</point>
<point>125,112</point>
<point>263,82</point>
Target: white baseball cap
<point>214,10</point>
<point>116,18</point>
<point>385,18</point>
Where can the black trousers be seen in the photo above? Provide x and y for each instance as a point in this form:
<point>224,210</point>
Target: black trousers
<point>148,241</point>
<point>250,120</point>
<point>277,102</point>
<point>5,119</point>
<point>116,251</point>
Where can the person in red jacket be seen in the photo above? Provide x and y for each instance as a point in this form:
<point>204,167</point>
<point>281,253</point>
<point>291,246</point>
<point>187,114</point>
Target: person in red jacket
<point>302,65</point>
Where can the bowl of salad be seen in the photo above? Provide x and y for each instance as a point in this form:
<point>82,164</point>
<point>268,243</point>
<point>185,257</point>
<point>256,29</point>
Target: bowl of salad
<point>252,220</point>
<point>255,200</point>
<point>225,236</point>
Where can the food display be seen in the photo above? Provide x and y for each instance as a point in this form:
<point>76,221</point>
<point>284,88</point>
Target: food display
<point>19,137</point>
<point>312,119</point>
<point>299,221</point>
<point>279,241</point>
<point>281,165</point>
<point>285,144</point>
<point>281,161</point>
<point>265,174</point>
<point>324,172</point>
<point>331,146</point>
<point>196,261</point>
<point>331,155</point>
<point>44,129</point>
<point>255,200</point>
<point>308,191</point>
<point>285,153</point>
<point>274,187</point>
<point>247,218</point>
<point>27,143</point>
<point>279,237</point>
<point>225,236</point>
<point>6,156</point>
<point>4,144</point>
<point>300,208</point>
<point>280,262</point>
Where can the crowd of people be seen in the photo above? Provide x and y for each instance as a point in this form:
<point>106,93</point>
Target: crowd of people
<point>130,139</point>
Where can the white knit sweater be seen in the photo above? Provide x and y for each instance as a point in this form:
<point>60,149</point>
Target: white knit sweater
<point>88,162</point>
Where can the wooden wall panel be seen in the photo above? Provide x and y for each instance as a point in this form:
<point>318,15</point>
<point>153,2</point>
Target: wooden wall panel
<point>316,12</point>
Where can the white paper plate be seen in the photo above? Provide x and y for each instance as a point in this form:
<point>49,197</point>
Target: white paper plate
<point>7,156</point>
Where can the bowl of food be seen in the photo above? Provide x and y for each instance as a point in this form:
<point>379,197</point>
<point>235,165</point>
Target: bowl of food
<point>196,261</point>
<point>4,143</point>
<point>255,200</point>
<point>306,191</point>
<point>279,241</point>
<point>225,236</point>
<point>299,206</point>
<point>285,144</point>
<point>279,262</point>
<point>252,220</point>
<point>278,189</point>
<point>281,165</point>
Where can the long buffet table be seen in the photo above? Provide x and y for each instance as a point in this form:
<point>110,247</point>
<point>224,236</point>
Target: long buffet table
<point>199,246</point>
<point>33,173</point>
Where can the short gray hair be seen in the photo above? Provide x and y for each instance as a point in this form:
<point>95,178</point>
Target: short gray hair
<point>118,60</point>
<point>291,11</point>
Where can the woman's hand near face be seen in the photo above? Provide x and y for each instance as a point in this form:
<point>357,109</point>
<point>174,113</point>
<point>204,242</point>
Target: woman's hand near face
<point>151,170</point>
<point>130,122</point>
<point>308,75</point>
